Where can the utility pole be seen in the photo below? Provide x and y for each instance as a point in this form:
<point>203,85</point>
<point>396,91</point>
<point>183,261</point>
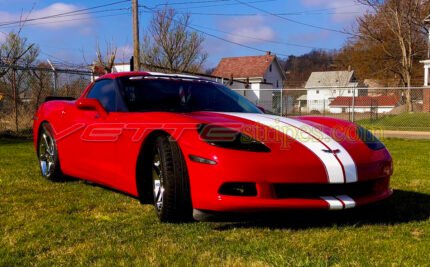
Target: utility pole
<point>136,48</point>
<point>54,77</point>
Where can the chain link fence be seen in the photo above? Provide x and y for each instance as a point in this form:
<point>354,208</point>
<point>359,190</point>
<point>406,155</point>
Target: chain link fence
<point>23,89</point>
<point>388,108</point>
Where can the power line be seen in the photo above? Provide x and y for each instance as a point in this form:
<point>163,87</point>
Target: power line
<point>227,4</point>
<point>291,20</point>
<point>60,14</point>
<point>248,37</point>
<point>221,38</point>
<point>259,39</point>
<point>191,2</point>
<point>66,20</point>
<point>255,14</point>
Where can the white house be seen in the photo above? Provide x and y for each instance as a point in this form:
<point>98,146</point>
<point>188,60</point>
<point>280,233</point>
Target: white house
<point>322,87</point>
<point>263,76</point>
<point>363,104</point>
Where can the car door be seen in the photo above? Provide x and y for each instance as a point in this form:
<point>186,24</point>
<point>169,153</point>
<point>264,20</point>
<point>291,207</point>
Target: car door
<point>97,159</point>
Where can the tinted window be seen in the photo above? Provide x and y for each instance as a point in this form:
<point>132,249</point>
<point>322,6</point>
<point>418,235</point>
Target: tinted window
<point>152,94</point>
<point>108,95</point>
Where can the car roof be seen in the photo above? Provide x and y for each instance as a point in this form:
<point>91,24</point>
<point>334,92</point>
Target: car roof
<point>144,73</point>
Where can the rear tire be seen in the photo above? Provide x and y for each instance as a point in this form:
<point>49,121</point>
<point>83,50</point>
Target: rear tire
<point>47,154</point>
<point>170,183</point>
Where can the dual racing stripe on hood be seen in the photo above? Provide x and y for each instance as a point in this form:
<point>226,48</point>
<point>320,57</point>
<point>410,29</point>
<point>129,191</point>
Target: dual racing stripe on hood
<point>340,166</point>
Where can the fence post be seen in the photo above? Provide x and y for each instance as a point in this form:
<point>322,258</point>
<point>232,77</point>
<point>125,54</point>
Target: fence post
<point>55,83</point>
<point>353,104</point>
<point>323,107</point>
<point>282,103</point>
<point>54,72</point>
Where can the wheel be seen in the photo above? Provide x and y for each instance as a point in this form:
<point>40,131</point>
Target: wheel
<point>48,154</point>
<point>170,183</point>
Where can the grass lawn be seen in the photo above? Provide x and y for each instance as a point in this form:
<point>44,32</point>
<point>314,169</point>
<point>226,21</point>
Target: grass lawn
<point>403,122</point>
<point>76,223</point>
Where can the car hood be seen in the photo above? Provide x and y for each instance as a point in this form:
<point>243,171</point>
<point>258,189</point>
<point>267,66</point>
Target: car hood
<point>331,142</point>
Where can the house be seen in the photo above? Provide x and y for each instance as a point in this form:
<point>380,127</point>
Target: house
<point>255,69</point>
<point>363,104</point>
<point>324,86</point>
<point>263,75</point>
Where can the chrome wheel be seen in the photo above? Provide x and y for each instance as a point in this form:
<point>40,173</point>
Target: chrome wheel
<point>157,181</point>
<point>47,154</point>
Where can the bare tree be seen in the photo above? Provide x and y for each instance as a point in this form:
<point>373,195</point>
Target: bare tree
<point>396,27</point>
<point>21,54</point>
<point>170,45</point>
<point>40,84</point>
<point>106,62</point>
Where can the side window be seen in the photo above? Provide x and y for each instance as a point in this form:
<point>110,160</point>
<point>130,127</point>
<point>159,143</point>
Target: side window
<point>106,92</point>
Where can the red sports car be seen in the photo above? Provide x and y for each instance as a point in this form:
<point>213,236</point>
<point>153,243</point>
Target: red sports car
<point>194,147</point>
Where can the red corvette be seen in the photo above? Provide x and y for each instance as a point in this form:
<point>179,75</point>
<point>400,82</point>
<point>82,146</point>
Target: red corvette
<point>192,147</point>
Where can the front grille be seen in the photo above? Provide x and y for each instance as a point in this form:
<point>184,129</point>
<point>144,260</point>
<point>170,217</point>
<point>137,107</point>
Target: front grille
<point>317,190</point>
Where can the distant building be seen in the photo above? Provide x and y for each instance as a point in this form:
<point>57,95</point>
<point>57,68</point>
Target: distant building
<point>255,69</point>
<point>363,104</point>
<point>264,75</point>
<point>323,87</point>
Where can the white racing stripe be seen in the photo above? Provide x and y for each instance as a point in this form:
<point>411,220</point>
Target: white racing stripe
<point>343,155</point>
<point>334,203</point>
<point>331,164</point>
<point>349,202</point>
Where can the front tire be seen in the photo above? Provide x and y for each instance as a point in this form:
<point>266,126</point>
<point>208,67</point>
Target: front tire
<point>47,154</point>
<point>170,183</point>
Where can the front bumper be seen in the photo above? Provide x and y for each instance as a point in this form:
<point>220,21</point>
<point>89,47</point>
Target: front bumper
<point>283,179</point>
<point>270,197</point>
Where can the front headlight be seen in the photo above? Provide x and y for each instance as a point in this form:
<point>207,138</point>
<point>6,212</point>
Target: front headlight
<point>229,138</point>
<point>369,139</point>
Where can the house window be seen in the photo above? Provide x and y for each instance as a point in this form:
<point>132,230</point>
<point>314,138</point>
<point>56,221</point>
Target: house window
<point>334,91</point>
<point>349,91</point>
<point>277,84</point>
<point>318,91</point>
<point>270,68</point>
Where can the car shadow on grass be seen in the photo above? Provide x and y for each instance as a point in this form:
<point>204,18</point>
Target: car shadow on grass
<point>401,207</point>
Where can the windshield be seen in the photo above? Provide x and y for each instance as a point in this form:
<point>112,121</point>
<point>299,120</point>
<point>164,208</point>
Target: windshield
<point>179,95</point>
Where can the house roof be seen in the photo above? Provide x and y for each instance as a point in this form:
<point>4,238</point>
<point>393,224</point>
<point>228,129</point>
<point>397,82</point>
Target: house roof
<point>330,79</point>
<point>243,67</point>
<point>366,101</point>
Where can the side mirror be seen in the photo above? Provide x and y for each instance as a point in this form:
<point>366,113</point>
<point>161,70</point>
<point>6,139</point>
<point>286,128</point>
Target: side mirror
<point>262,109</point>
<point>91,104</point>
